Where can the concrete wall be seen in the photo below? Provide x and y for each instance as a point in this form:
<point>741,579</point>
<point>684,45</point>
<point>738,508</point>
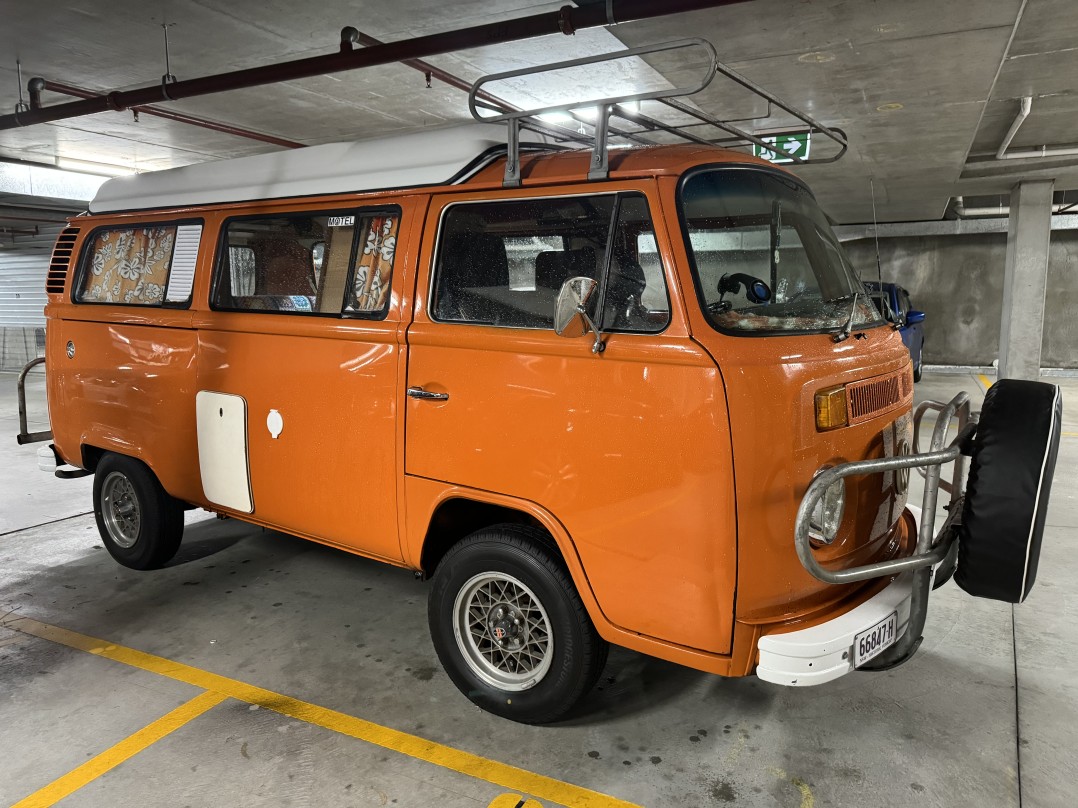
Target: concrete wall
<point>958,282</point>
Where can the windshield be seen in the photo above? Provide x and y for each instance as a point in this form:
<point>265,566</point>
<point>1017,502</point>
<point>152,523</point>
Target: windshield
<point>764,257</point>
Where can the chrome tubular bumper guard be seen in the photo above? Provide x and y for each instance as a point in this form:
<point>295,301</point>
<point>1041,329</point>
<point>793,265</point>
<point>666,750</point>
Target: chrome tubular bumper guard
<point>932,548</point>
<point>25,436</point>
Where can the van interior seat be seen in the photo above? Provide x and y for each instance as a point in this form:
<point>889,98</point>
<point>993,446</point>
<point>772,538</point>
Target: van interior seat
<point>625,288</point>
<point>289,274</point>
<point>303,303</point>
<point>555,267</point>
<point>470,261</point>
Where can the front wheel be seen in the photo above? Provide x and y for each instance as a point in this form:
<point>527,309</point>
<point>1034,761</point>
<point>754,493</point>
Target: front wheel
<point>140,524</point>
<point>918,363</point>
<point>510,628</point>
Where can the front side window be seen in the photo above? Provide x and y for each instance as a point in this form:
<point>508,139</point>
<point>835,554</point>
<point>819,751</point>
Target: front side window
<point>129,266</point>
<point>764,257</point>
<point>504,263</point>
<point>308,263</point>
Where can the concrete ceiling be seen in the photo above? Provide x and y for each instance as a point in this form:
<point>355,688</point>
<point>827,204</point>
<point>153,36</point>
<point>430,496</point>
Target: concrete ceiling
<point>925,89</point>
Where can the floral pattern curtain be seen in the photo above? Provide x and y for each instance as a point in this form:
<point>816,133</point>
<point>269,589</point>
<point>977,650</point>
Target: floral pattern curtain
<point>371,289</point>
<point>130,266</point>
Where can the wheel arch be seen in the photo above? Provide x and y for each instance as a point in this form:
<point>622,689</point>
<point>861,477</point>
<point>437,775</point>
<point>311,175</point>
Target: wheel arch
<point>458,512</point>
<point>93,448</point>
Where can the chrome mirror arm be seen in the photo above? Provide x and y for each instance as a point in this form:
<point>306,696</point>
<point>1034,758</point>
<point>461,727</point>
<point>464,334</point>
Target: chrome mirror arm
<point>598,346</point>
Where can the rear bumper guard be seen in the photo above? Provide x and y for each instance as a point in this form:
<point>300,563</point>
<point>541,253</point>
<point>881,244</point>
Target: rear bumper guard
<point>825,652</point>
<point>24,436</point>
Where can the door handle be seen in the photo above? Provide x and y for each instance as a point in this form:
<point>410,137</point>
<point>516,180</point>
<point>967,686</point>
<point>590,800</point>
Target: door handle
<point>426,395</point>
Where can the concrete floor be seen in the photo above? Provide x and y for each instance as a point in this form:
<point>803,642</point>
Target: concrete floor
<point>325,628</point>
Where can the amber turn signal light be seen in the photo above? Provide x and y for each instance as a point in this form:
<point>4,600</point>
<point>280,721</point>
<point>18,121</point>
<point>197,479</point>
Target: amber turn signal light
<point>831,408</point>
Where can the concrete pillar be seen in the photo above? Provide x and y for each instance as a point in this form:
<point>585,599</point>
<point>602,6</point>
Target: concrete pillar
<point>1025,279</point>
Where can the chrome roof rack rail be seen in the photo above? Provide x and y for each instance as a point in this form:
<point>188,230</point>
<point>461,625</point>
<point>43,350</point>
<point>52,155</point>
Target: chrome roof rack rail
<point>612,107</point>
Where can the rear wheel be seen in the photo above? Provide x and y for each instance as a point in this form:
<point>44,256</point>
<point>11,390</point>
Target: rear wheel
<point>140,524</point>
<point>510,628</point>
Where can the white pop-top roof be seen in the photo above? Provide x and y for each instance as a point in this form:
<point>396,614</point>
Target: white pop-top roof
<point>429,157</point>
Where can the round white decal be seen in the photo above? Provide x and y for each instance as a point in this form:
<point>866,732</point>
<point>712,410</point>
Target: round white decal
<point>274,423</point>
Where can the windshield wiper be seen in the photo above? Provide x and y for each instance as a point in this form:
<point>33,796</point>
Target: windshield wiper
<point>844,332</point>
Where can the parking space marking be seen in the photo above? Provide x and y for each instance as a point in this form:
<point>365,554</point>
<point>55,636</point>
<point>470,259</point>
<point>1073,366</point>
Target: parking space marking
<point>513,801</point>
<point>118,753</point>
<point>491,771</point>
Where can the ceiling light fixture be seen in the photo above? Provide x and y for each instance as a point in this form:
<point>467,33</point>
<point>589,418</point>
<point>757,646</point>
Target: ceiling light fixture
<point>556,117</point>
<point>892,107</point>
<point>93,167</point>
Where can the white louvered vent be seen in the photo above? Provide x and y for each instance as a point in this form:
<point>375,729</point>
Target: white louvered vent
<point>182,275</point>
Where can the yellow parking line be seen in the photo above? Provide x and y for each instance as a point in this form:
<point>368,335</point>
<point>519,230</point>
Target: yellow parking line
<point>500,774</point>
<point>513,801</point>
<point>984,381</point>
<point>117,754</point>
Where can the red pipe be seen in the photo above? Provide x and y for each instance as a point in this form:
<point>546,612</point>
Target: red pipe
<point>350,34</point>
<point>566,20</point>
<point>228,129</point>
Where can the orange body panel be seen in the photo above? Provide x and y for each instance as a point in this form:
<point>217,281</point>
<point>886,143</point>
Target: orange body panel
<point>668,468</point>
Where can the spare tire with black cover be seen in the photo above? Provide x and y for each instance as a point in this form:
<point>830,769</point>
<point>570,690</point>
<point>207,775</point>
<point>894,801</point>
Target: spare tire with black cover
<point>1010,478</point>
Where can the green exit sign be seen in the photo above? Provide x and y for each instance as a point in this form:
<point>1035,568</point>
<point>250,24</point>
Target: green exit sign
<point>782,147</point>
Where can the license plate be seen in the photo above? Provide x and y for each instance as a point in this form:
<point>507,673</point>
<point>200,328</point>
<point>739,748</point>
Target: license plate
<point>873,642</point>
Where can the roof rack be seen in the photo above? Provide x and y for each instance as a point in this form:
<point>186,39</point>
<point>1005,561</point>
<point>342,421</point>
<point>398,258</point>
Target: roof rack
<point>611,107</point>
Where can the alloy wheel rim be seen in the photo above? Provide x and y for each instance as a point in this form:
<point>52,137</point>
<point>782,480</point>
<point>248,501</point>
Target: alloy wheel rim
<point>502,631</point>
<point>121,510</point>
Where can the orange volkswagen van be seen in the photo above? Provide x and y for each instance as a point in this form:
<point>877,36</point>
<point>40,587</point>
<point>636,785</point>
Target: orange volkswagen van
<point>655,409</point>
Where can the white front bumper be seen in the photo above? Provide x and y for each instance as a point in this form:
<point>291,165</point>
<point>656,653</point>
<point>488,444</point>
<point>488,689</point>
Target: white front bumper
<point>812,656</point>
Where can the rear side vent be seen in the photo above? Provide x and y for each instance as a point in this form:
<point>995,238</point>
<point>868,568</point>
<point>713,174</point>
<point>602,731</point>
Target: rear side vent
<point>61,261</point>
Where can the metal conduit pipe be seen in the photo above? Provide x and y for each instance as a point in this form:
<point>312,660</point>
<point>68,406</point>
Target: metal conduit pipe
<point>1028,154</point>
<point>566,20</point>
<point>1023,113</point>
<point>962,212</point>
<point>158,112</point>
<point>1041,151</point>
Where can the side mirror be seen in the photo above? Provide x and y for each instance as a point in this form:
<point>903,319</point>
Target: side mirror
<point>571,313</point>
<point>914,316</point>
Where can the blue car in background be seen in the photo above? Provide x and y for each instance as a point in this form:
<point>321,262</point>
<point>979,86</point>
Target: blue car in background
<point>894,302</point>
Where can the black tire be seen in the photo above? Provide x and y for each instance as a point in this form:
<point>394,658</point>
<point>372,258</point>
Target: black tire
<point>1010,479</point>
<point>917,366</point>
<point>140,524</point>
<point>564,663</point>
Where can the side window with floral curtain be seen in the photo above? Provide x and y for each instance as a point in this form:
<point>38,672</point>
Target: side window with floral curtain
<point>128,266</point>
<point>369,291</point>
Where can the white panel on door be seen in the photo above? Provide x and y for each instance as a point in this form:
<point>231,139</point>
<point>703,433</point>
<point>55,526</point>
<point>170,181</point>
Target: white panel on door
<point>222,449</point>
